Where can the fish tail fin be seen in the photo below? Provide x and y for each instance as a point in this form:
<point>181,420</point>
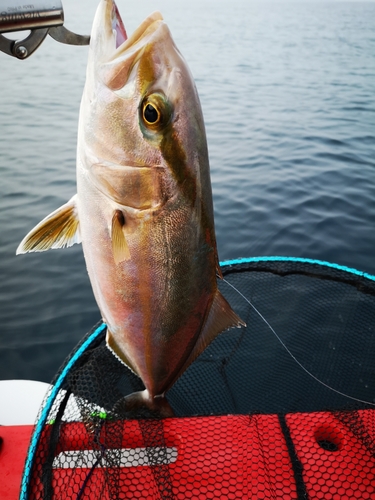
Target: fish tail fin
<point>141,404</point>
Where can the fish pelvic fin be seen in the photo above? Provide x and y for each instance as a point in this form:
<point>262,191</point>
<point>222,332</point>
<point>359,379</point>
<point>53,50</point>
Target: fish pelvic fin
<point>120,247</point>
<point>220,317</point>
<point>58,230</point>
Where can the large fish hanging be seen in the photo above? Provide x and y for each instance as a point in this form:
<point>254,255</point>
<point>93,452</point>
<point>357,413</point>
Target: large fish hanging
<point>143,209</point>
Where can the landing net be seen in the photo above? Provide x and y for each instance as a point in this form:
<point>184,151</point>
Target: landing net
<point>281,409</point>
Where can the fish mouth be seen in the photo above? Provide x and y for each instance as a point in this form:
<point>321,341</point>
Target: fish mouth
<point>118,26</point>
<point>123,43</point>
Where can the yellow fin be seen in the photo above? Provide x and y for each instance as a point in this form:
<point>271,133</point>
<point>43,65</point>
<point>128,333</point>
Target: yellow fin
<point>221,317</point>
<point>119,244</point>
<point>58,230</point>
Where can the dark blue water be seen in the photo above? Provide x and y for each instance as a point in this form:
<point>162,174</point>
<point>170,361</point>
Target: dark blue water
<point>288,95</point>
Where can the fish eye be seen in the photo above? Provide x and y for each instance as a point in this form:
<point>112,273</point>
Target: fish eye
<point>150,114</point>
<point>155,112</point>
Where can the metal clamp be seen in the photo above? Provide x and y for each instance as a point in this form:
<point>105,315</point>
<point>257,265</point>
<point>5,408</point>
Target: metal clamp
<point>42,17</point>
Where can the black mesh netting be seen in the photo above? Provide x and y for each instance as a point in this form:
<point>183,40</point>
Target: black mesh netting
<point>252,419</point>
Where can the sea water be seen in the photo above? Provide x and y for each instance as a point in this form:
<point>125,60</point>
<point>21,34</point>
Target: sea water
<point>288,96</point>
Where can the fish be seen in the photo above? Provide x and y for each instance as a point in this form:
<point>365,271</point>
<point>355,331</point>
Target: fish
<point>143,209</point>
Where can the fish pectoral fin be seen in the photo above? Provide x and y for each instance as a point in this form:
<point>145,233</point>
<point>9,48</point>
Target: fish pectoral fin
<point>58,230</point>
<point>119,244</point>
<point>220,317</point>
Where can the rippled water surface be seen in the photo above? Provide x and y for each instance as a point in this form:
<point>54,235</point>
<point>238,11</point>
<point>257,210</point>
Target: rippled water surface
<point>288,95</point>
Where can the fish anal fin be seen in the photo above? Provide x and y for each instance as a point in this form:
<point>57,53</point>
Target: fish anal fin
<point>220,317</point>
<point>58,230</point>
<point>117,352</point>
<point>120,247</point>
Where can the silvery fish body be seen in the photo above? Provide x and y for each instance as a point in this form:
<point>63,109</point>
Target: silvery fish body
<point>143,209</point>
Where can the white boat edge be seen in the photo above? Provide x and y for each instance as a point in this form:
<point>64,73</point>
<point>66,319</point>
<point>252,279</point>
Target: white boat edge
<point>20,401</point>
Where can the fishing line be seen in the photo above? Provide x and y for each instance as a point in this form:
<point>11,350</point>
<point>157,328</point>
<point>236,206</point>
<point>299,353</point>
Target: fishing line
<point>292,355</point>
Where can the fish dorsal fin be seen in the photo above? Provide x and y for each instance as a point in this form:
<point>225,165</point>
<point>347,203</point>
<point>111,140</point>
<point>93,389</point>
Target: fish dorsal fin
<point>220,317</point>
<point>219,273</point>
<point>120,247</point>
<point>58,230</point>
